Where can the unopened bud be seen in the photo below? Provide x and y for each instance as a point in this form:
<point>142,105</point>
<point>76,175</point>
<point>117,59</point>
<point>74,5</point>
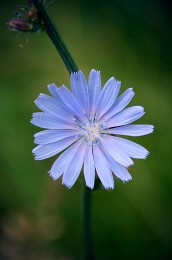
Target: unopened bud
<point>26,19</point>
<point>20,24</point>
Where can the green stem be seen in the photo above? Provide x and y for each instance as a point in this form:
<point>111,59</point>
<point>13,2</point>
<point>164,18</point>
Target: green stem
<point>89,253</point>
<point>55,37</point>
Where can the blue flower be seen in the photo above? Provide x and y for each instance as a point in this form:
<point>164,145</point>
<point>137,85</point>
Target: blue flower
<point>85,122</point>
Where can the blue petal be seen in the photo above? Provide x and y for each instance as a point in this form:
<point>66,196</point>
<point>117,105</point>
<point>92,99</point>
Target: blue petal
<point>126,116</point>
<point>131,130</point>
<point>119,170</point>
<point>107,97</point>
<point>102,168</point>
<point>44,151</point>
<point>53,89</point>
<point>64,159</point>
<point>108,145</point>
<point>46,120</point>
<point>71,103</point>
<point>94,89</point>
<point>80,89</point>
<point>89,169</point>
<point>121,102</point>
<point>52,105</point>
<point>74,167</point>
<point>50,136</point>
<point>132,149</point>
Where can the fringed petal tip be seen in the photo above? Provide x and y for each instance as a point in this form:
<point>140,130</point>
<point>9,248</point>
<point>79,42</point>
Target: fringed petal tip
<point>95,73</point>
<point>75,73</point>
<point>90,187</point>
<point>152,128</point>
<point>67,185</point>
<point>35,157</point>
<point>33,116</point>
<point>117,81</point>
<point>36,99</point>
<point>52,88</point>
<point>146,155</point>
<point>127,179</point>
<point>34,150</point>
<point>40,95</point>
<point>52,176</point>
<point>51,85</point>
<point>131,90</point>
<point>110,188</point>
<point>94,70</point>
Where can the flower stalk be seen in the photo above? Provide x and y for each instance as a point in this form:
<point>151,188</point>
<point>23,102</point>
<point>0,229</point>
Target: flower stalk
<point>55,37</point>
<point>89,253</point>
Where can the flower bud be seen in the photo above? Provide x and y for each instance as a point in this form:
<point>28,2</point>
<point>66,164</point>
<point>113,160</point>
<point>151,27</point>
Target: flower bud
<point>26,19</point>
<point>20,24</point>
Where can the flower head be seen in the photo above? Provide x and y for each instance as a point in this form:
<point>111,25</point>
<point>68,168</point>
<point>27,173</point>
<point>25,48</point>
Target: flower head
<point>85,122</point>
<point>26,19</point>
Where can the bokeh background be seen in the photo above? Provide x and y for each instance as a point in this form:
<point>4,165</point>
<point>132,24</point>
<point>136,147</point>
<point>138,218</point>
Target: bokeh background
<point>40,218</point>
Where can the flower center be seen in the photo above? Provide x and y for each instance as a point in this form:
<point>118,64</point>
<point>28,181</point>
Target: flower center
<point>92,133</point>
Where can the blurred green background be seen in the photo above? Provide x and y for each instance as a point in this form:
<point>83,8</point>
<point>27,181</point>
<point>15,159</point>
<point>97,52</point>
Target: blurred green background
<point>40,218</point>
